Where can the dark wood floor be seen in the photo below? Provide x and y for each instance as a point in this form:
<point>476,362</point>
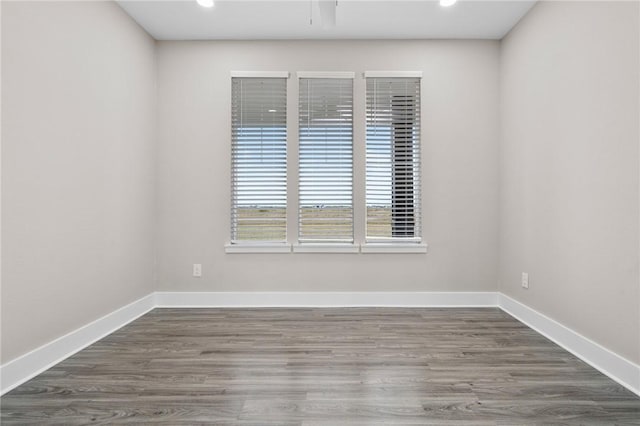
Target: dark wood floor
<point>348,366</point>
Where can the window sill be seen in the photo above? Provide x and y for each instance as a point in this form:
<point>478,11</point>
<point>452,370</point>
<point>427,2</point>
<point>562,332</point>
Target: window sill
<point>258,248</point>
<point>393,248</point>
<point>326,248</point>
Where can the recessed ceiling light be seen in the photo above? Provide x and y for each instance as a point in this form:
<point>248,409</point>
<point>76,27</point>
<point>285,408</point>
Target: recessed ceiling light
<point>205,3</point>
<point>445,3</point>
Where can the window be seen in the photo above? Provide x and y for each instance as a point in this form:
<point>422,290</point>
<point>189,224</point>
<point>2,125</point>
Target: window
<point>259,159</point>
<point>320,166</point>
<point>326,158</point>
<point>393,159</point>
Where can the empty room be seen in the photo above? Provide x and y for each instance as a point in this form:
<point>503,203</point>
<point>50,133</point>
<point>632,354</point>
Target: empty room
<point>320,212</point>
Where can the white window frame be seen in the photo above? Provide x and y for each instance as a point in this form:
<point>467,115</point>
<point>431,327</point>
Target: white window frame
<point>392,245</point>
<point>328,246</point>
<point>233,247</point>
<point>366,246</point>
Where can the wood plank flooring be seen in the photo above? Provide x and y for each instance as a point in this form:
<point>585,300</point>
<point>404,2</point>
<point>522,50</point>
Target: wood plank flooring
<point>343,366</point>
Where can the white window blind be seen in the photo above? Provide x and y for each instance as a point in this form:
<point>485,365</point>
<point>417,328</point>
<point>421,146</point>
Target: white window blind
<point>326,160</point>
<point>259,159</point>
<point>393,159</point>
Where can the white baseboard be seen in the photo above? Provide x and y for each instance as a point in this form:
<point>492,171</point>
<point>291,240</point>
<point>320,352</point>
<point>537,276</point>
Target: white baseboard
<point>325,299</point>
<point>609,363</point>
<point>32,363</point>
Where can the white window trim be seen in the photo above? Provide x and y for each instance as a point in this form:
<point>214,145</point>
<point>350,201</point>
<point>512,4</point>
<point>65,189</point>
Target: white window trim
<point>368,247</point>
<point>392,74</point>
<point>257,248</point>
<point>326,248</point>
<point>380,244</point>
<point>260,74</point>
<point>326,74</point>
<point>393,248</point>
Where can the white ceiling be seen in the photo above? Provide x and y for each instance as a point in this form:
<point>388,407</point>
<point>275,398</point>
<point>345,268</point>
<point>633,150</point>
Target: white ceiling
<point>355,19</point>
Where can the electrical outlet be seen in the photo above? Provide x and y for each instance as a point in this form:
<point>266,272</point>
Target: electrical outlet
<point>197,270</point>
<point>525,280</point>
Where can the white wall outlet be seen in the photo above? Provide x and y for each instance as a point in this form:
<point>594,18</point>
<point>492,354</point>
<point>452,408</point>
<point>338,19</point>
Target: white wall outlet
<point>525,280</point>
<point>197,270</point>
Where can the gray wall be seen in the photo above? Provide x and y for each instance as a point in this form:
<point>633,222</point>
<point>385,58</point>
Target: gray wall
<point>78,123</point>
<point>569,168</point>
<point>460,163</point>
